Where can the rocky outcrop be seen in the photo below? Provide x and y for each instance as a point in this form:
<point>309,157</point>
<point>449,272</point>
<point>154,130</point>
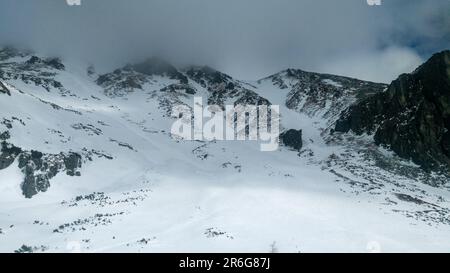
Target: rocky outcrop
<point>321,95</point>
<point>412,117</point>
<point>219,85</point>
<point>121,81</point>
<point>4,89</point>
<point>50,62</point>
<point>207,76</point>
<point>292,138</point>
<point>222,87</point>
<point>131,77</point>
<point>38,168</point>
<point>32,70</point>
<point>55,63</point>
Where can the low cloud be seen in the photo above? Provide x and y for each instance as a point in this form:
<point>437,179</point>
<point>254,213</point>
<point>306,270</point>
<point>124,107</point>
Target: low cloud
<point>247,39</point>
<point>379,66</point>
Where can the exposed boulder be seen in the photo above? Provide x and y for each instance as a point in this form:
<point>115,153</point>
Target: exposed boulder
<point>292,138</point>
<point>412,117</point>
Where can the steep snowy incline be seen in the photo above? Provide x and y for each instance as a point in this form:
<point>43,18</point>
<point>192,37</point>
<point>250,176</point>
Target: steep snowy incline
<point>132,187</point>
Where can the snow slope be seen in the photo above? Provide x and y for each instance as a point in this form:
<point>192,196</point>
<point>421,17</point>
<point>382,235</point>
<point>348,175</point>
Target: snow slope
<point>142,191</point>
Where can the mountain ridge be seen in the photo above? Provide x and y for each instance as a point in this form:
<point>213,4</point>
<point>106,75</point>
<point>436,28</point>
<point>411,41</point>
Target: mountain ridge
<point>90,158</point>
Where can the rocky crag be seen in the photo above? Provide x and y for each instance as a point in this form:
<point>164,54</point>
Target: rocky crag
<point>412,117</point>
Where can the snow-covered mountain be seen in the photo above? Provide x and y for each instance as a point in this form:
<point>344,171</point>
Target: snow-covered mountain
<point>88,163</point>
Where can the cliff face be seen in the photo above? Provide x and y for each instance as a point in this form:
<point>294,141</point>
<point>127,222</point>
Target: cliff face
<point>412,117</point>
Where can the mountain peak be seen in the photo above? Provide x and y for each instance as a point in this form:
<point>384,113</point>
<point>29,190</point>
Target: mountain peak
<point>154,66</point>
<point>205,75</point>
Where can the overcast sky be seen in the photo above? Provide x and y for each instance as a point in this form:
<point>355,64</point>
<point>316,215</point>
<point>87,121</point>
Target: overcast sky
<point>248,39</point>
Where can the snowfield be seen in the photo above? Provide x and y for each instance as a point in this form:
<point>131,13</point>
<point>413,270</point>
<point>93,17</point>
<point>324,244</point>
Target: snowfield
<point>140,190</point>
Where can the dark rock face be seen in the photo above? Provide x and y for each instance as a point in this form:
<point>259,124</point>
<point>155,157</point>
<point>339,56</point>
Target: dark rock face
<point>38,168</point>
<point>72,162</point>
<point>4,89</point>
<point>4,136</point>
<point>37,71</point>
<point>132,77</point>
<point>34,60</point>
<point>292,138</point>
<point>55,63</point>
<point>207,76</point>
<point>8,155</point>
<point>446,144</point>
<point>121,80</point>
<point>219,85</point>
<point>412,117</point>
<point>51,62</point>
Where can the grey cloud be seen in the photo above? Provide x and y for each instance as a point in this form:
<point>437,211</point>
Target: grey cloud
<point>246,38</point>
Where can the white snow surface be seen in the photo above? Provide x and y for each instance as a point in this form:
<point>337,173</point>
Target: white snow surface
<point>162,197</point>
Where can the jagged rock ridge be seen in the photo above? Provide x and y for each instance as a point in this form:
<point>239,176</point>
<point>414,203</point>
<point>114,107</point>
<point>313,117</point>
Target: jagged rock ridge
<point>322,94</point>
<point>412,117</point>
